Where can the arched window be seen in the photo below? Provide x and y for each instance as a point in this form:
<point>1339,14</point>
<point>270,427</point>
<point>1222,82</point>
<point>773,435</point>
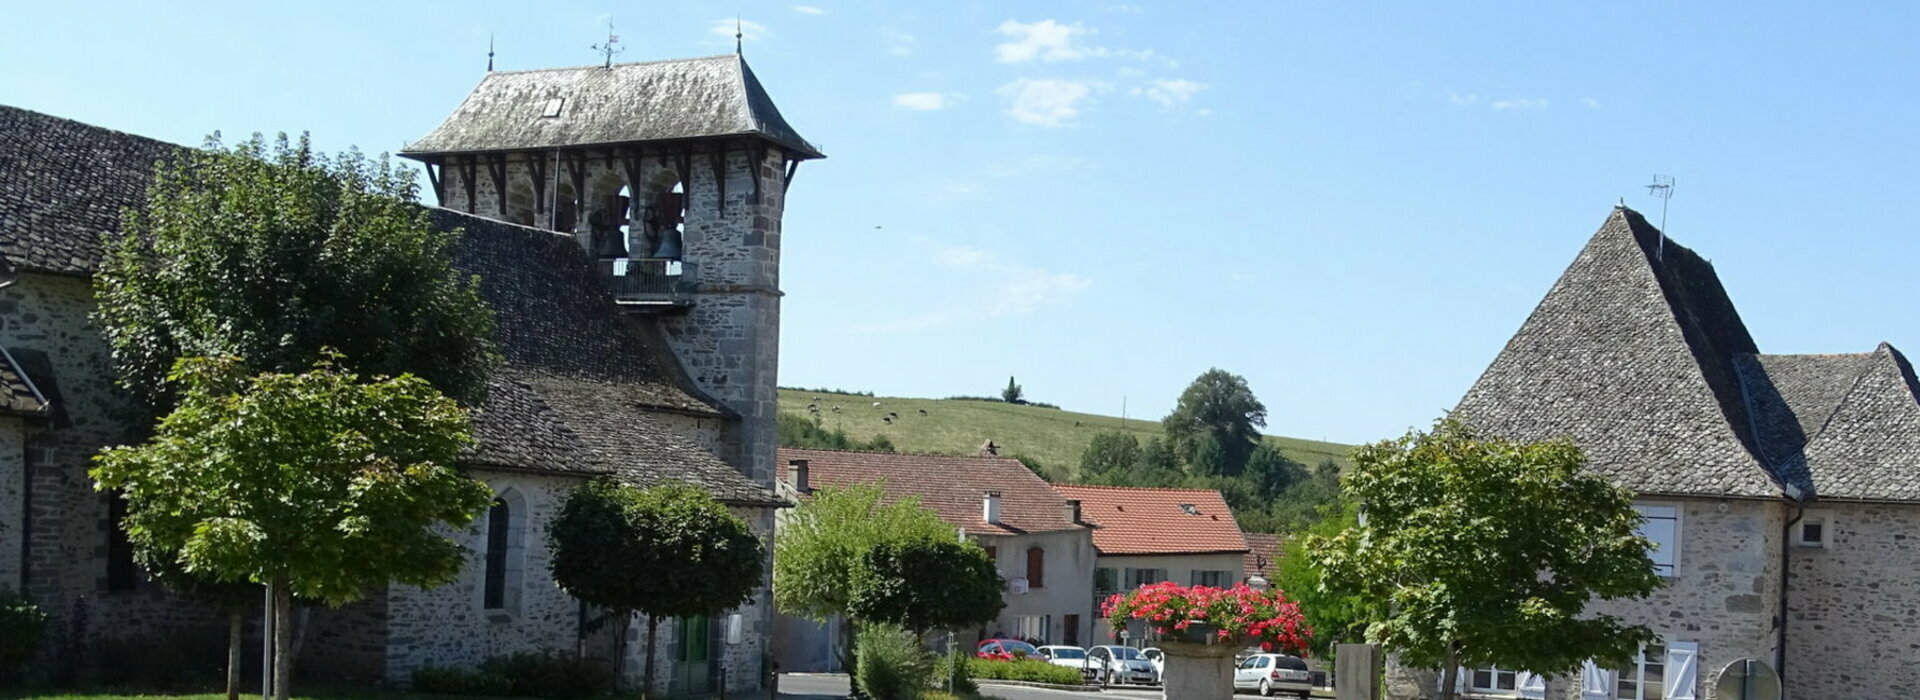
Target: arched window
<point>499,526</point>
<point>1036,567</point>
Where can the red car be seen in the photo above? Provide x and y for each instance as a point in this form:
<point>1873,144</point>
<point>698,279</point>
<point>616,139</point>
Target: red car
<point>1005,649</point>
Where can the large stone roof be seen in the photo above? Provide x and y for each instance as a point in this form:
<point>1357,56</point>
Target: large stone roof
<point>62,185</point>
<point>674,100</point>
<point>953,486</point>
<point>1638,355</point>
<point>1157,521</point>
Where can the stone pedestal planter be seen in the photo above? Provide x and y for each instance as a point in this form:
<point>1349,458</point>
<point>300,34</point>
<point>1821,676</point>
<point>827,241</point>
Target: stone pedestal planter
<point>1199,670</point>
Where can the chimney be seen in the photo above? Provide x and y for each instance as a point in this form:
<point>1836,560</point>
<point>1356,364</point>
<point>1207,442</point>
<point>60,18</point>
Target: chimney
<point>1073,511</point>
<point>988,449</point>
<point>797,475</point>
<point>990,507</point>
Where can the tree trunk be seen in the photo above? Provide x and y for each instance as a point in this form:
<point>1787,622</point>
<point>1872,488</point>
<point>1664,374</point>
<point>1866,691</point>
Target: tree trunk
<point>236,631</point>
<point>282,638</point>
<point>653,623</point>
<point>1450,674</point>
<point>624,620</point>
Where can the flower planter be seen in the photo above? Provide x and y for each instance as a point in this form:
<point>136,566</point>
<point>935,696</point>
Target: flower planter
<point>1199,670</point>
<point>1201,627</point>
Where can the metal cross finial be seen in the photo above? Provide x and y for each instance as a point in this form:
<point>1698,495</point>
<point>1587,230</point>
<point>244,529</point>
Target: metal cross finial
<point>489,53</point>
<point>737,35</point>
<point>612,47</point>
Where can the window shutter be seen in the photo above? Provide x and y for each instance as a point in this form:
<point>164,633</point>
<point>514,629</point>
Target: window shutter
<point>1683,670</point>
<point>1595,682</point>
<point>1532,685</point>
<point>1036,567</point>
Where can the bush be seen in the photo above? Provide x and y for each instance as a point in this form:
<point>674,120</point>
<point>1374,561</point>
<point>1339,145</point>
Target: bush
<point>1032,671</point>
<point>549,675</point>
<point>891,665</point>
<point>22,626</point>
<point>960,662</point>
<point>453,681</point>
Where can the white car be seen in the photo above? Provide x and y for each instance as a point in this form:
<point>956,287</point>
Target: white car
<point>1159,660</point>
<point>1121,665</point>
<point>1273,673</point>
<point>1070,657</point>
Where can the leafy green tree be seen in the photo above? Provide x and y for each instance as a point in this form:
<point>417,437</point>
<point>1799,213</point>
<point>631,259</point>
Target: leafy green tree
<point>274,255</point>
<point>23,626</point>
<point>1336,618</point>
<point>667,551</point>
<point>1272,473</point>
<point>925,585</point>
<point>318,484</point>
<point>1013,393</point>
<point>1109,452</point>
<point>1209,457</point>
<point>1217,403</point>
<point>1487,551</point>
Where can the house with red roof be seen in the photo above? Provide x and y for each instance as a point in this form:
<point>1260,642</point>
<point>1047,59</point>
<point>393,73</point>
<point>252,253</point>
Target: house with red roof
<point>1145,536</point>
<point>1043,549</point>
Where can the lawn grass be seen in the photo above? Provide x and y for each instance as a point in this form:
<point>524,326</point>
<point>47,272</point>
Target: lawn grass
<point>957,426</point>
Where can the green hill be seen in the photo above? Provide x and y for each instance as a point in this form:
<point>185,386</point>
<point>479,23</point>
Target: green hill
<point>958,426</point>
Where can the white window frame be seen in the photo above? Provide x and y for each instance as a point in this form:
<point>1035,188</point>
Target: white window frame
<point>1636,674</point>
<point>1493,676</point>
<point>1800,531</point>
<point>1668,550</point>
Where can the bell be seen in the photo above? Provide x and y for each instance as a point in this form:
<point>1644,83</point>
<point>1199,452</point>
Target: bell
<point>669,245</point>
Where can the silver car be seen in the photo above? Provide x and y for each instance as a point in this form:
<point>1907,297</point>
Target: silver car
<point>1273,673</point>
<point>1121,665</point>
<point>1070,657</point>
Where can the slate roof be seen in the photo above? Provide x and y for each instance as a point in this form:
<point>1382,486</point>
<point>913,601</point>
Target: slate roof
<point>952,486</point>
<point>671,100</point>
<point>62,184</point>
<point>1638,356</point>
<point>1156,521</point>
<point>18,395</point>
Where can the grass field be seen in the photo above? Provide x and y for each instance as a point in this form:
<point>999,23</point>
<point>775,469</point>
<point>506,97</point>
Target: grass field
<point>956,426</point>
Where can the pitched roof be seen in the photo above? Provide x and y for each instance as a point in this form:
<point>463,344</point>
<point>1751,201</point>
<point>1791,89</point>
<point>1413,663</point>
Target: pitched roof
<point>1157,521</point>
<point>626,103</point>
<point>1840,426</point>
<point>62,185</point>
<point>952,486</point>
<point>1630,355</point>
<point>1263,555</point>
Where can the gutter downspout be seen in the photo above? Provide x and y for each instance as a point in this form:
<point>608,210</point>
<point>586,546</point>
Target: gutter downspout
<point>1786,579</point>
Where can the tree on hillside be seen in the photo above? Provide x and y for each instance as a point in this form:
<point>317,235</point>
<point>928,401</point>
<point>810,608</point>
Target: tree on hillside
<point>1108,452</point>
<point>1013,393</point>
<point>274,255</point>
<point>1272,472</point>
<point>926,585</point>
<point>318,485</point>
<point>1218,403</point>
<point>667,551</point>
<point>1478,552</point>
<point>1208,458</point>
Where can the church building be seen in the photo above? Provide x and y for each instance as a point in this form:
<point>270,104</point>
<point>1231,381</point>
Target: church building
<point>624,222</point>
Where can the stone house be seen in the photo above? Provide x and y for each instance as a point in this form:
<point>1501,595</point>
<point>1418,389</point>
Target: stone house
<point>1035,537</point>
<point>645,367</point>
<point>1148,535</point>
<point>1782,491</point>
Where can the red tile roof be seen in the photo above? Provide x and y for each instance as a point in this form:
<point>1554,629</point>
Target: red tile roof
<point>954,487</point>
<point>1263,555</point>
<point>1157,521</point>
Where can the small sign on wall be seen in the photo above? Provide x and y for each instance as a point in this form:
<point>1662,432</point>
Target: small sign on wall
<point>734,632</point>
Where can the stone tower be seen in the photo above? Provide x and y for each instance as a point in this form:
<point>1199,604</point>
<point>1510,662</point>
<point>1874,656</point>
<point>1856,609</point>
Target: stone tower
<point>673,175</point>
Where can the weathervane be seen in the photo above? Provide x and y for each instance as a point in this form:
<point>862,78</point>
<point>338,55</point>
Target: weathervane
<point>611,48</point>
<point>1662,188</point>
<point>489,53</point>
<point>737,35</point>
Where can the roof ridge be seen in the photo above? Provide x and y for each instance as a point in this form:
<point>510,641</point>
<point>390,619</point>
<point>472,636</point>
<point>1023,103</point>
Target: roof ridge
<point>898,453</point>
<point>603,66</point>
<point>1137,488</point>
<point>93,127</point>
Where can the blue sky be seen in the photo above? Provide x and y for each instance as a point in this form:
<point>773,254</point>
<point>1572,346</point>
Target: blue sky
<point>1353,205</point>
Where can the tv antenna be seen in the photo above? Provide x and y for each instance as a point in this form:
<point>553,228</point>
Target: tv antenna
<point>612,46</point>
<point>1662,188</point>
<point>489,53</point>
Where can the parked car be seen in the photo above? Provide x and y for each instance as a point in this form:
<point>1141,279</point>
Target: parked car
<point>1118,664</point>
<point>1004,649</point>
<point>1159,660</point>
<point>1070,657</point>
<point>1273,673</point>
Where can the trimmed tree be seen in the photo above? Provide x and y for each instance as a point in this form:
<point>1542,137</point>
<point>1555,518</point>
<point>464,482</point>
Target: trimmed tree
<point>318,485</point>
<point>1479,551</point>
<point>1220,404</point>
<point>924,585</point>
<point>1013,393</point>
<point>277,256</point>
<point>1109,452</point>
<point>667,551</point>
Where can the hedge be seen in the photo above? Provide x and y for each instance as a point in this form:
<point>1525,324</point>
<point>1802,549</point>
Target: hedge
<point>1027,670</point>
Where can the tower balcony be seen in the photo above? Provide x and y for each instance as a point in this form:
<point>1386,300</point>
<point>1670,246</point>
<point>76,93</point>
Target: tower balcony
<point>646,285</point>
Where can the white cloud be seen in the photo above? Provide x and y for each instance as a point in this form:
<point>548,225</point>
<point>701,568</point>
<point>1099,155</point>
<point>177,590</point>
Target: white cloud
<point>1045,102</point>
<point>1122,7</point>
<point>1170,93</point>
<point>1462,99</point>
<point>924,101</point>
<point>751,30</point>
<point>898,43</point>
<point>1527,103</point>
<point>1590,102</point>
<point>995,289</point>
<point>1030,288</point>
<point>961,256</point>
<point>1045,40</point>
<point>808,10</point>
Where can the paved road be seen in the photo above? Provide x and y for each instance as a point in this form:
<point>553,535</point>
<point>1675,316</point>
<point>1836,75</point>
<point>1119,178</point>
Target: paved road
<point>824,687</point>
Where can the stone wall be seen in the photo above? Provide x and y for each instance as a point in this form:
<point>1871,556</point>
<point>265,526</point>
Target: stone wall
<point>1854,626</point>
<point>742,666</point>
<point>13,488</point>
